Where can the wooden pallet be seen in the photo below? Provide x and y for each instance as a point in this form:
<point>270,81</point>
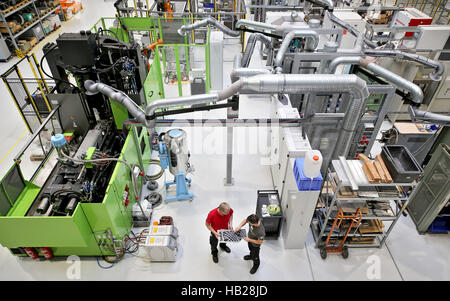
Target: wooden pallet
<point>372,227</point>
<point>379,22</point>
<point>14,31</point>
<point>19,4</point>
<point>9,9</point>
<point>21,54</point>
<point>33,42</point>
<point>55,29</point>
<point>13,7</point>
<point>44,12</point>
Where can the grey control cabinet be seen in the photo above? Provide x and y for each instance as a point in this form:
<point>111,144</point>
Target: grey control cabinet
<point>298,209</point>
<point>433,191</point>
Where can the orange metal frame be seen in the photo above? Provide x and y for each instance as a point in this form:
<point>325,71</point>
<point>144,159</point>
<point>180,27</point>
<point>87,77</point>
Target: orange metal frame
<point>356,220</point>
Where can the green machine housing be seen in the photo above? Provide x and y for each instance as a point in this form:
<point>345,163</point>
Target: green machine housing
<point>93,229</point>
<point>96,227</point>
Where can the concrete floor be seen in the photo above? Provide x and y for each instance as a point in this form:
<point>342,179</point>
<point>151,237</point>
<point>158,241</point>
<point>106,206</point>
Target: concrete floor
<point>406,256</point>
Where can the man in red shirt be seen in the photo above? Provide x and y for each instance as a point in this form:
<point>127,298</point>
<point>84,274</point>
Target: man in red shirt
<point>218,219</point>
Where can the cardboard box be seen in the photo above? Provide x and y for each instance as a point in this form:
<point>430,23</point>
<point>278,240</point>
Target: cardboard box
<point>33,41</point>
<point>24,46</point>
<point>9,24</point>
<point>75,7</point>
<point>54,20</point>
<point>68,14</point>
<point>66,3</point>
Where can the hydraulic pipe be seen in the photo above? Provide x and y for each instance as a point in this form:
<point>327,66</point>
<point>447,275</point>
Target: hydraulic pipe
<point>182,31</point>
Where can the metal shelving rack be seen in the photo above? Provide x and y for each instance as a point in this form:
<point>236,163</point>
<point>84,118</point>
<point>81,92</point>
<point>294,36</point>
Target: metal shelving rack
<point>319,228</point>
<point>14,36</point>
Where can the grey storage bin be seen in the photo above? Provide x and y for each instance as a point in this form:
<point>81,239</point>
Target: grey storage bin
<point>35,32</point>
<point>401,164</point>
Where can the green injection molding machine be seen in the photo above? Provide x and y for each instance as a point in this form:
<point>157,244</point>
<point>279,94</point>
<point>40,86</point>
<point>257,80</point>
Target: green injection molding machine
<point>94,228</point>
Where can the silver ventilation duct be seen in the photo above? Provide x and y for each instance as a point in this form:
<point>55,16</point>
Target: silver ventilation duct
<point>437,66</point>
<point>343,60</point>
<point>328,3</point>
<point>350,29</point>
<point>189,100</point>
<point>391,77</point>
<point>428,116</point>
<point>251,43</point>
<point>254,24</point>
<point>304,83</point>
<point>260,84</point>
<point>118,96</point>
<point>395,79</point>
<point>312,40</point>
<point>237,61</point>
<point>398,81</point>
<point>237,73</point>
<point>182,31</point>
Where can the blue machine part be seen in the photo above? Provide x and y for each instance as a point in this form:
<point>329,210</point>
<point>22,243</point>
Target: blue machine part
<point>58,140</point>
<point>175,133</point>
<point>303,182</point>
<point>164,155</point>
<point>182,189</point>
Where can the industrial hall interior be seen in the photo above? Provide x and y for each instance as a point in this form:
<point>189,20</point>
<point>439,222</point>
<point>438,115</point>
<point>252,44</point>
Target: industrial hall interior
<point>225,140</point>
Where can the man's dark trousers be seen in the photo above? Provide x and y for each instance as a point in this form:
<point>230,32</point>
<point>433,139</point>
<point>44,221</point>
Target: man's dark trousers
<point>214,242</point>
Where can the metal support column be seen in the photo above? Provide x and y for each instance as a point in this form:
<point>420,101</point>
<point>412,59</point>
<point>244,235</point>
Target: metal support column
<point>229,181</point>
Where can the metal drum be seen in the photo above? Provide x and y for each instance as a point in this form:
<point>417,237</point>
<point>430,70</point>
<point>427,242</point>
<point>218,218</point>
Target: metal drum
<point>175,139</point>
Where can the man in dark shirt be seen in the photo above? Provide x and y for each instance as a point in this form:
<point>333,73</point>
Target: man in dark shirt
<point>256,234</point>
<point>220,218</point>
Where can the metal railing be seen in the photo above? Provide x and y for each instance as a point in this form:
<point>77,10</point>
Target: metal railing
<point>28,94</point>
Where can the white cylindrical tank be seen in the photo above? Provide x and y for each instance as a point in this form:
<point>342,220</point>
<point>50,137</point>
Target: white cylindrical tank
<point>178,151</point>
<point>312,164</point>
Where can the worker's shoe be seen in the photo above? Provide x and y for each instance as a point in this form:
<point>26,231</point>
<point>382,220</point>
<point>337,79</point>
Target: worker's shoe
<point>226,249</point>
<point>247,257</point>
<point>215,258</point>
<point>254,269</point>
